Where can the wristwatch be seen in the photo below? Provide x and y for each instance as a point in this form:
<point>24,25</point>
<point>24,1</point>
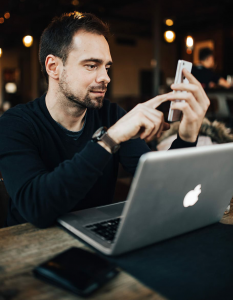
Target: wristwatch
<point>102,135</point>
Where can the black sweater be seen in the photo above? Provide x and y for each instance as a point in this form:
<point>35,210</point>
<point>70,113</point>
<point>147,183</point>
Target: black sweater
<point>48,173</point>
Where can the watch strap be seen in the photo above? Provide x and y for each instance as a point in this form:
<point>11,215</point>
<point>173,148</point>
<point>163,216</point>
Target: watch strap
<point>110,142</point>
<point>102,135</point>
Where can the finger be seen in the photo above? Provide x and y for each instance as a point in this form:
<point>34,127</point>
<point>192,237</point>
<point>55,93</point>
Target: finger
<point>141,112</point>
<point>147,127</point>
<point>188,113</point>
<point>189,98</point>
<point>193,80</point>
<point>155,133</point>
<point>187,87</point>
<point>198,95</point>
<point>148,111</point>
<point>194,87</point>
<point>158,133</point>
<point>164,126</point>
<point>151,137</point>
<point>155,102</point>
<point>153,111</point>
<point>157,118</point>
<point>141,107</point>
<point>190,77</point>
<point>157,122</point>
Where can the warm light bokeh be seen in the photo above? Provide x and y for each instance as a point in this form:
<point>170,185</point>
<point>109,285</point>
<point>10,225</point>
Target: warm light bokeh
<point>1,20</point>
<point>75,2</point>
<point>7,15</point>
<point>169,36</point>
<point>189,41</point>
<point>169,22</point>
<point>11,87</point>
<point>0,52</point>
<point>28,41</point>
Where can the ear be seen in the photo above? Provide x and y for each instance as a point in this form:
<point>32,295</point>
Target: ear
<point>53,65</point>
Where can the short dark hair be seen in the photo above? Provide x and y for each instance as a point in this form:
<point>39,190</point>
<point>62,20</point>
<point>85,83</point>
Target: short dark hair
<point>57,37</point>
<point>204,53</point>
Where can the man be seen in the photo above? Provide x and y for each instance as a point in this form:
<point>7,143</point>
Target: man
<point>50,161</point>
<point>204,73</point>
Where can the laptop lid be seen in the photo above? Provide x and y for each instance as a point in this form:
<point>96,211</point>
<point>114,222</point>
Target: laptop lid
<point>174,192</point>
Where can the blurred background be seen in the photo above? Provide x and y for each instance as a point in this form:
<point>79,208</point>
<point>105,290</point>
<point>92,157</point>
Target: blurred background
<point>148,37</point>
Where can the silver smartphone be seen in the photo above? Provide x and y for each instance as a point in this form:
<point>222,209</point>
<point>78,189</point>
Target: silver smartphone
<point>175,114</point>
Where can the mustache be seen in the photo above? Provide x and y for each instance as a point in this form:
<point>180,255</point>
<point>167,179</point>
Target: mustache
<point>101,87</point>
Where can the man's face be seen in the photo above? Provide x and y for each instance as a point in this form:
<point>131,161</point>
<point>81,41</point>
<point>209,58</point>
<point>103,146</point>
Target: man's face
<point>210,61</point>
<point>84,76</point>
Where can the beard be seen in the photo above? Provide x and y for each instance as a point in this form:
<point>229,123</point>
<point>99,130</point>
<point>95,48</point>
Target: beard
<point>88,101</point>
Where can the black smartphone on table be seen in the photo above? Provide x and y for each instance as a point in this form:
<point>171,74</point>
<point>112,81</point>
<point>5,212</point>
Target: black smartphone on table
<point>77,270</point>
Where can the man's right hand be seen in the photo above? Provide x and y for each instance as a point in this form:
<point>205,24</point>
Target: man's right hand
<point>143,121</point>
<point>146,122</point>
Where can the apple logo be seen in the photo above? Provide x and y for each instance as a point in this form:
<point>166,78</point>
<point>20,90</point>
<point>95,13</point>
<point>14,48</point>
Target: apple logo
<point>192,197</point>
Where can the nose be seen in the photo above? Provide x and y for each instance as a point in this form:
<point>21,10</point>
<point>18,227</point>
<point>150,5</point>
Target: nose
<point>102,76</point>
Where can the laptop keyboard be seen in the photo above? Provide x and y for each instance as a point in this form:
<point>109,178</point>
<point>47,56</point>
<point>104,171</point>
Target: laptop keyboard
<point>106,230</point>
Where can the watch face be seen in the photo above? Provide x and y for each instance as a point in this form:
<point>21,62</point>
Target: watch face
<point>101,135</point>
<point>99,132</point>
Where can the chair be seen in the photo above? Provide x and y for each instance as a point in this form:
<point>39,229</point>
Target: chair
<point>4,199</point>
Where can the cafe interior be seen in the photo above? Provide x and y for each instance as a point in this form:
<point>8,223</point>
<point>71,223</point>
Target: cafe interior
<point>147,39</point>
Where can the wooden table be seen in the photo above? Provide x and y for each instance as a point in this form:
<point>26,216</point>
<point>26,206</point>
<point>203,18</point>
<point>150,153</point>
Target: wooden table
<point>24,246</point>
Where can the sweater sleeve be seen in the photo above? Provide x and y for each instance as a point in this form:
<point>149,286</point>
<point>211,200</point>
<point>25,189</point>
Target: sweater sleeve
<point>179,143</point>
<point>41,196</point>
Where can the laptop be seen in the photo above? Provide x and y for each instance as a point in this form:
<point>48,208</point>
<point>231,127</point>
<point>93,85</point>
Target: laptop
<point>173,192</point>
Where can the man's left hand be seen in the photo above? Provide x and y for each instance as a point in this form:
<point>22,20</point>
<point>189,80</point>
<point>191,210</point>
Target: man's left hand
<point>194,108</point>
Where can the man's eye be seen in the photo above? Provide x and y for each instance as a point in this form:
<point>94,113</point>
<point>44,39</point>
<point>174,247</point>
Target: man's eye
<point>91,67</point>
<point>107,69</point>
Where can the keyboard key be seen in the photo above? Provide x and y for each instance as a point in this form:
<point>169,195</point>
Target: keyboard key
<point>106,230</point>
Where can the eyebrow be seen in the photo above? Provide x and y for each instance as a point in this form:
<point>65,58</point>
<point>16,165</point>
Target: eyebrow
<point>97,60</point>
